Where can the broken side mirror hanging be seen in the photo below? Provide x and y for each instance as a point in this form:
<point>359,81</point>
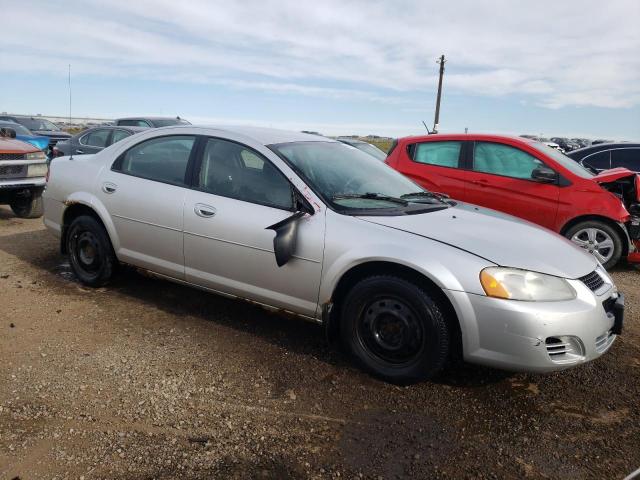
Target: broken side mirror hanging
<point>284,243</point>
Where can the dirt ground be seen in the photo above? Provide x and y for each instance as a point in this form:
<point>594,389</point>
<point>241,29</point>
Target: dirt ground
<point>149,380</point>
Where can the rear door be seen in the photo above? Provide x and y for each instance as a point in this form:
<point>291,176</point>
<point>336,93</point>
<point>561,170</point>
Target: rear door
<point>437,166</point>
<point>500,179</point>
<point>144,192</point>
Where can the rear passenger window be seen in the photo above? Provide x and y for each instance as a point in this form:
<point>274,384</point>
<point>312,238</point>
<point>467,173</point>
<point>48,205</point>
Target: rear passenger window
<point>232,170</point>
<point>442,154</point>
<point>96,138</point>
<point>119,135</point>
<point>162,159</point>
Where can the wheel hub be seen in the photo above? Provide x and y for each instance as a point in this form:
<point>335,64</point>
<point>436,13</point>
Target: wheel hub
<point>390,330</point>
<point>596,241</point>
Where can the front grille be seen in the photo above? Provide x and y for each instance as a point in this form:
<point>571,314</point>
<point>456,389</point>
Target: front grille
<point>603,342</point>
<point>593,281</point>
<point>12,156</point>
<point>13,171</point>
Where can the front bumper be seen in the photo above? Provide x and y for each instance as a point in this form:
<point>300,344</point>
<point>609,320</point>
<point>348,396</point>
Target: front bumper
<point>539,336</point>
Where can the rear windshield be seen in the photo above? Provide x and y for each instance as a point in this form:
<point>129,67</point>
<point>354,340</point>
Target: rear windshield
<point>568,163</point>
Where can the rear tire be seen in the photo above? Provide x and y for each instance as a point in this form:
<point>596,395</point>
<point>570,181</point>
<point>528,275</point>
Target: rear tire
<point>598,238</point>
<point>395,329</point>
<point>28,207</point>
<point>90,252</point>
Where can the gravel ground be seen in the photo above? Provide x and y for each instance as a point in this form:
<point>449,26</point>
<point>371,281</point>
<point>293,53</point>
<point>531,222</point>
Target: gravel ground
<point>146,379</point>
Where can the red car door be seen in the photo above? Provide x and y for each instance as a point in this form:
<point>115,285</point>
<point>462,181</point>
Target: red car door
<point>501,179</point>
<point>435,165</point>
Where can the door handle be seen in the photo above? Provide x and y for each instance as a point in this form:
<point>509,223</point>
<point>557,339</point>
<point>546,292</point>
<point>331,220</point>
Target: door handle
<point>79,151</point>
<point>204,211</point>
<point>108,187</point>
<point>480,182</point>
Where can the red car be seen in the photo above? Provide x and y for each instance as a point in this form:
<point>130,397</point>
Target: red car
<point>530,180</point>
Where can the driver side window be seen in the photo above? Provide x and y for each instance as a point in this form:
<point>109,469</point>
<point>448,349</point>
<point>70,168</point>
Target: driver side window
<point>504,160</point>
<point>235,171</point>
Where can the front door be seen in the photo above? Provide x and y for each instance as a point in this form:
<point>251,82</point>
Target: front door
<point>145,192</point>
<point>237,194</point>
<point>501,179</point>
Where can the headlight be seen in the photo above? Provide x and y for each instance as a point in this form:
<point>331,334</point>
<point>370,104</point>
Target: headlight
<point>37,170</point>
<point>514,284</point>
<point>36,156</point>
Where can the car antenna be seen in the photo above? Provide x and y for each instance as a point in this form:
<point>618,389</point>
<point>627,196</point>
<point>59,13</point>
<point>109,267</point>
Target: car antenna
<point>425,126</point>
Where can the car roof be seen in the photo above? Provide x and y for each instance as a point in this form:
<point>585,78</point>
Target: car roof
<point>149,118</point>
<point>603,146</point>
<point>262,135</point>
<point>465,136</point>
<point>116,127</point>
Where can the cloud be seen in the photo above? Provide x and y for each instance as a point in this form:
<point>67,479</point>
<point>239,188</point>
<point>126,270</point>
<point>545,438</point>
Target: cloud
<point>553,54</point>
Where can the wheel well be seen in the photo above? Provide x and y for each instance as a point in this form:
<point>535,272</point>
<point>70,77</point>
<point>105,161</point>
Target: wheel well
<point>70,214</point>
<point>588,218</point>
<point>362,271</point>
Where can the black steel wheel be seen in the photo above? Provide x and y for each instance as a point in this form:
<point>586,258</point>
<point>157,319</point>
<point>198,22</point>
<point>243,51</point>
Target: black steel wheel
<point>90,253</point>
<point>395,329</point>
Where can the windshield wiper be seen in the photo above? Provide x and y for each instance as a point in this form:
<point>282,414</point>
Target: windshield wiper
<point>438,196</point>
<point>371,196</point>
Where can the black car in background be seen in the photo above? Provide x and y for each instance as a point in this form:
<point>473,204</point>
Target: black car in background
<point>604,156</point>
<point>150,122</point>
<point>93,140</point>
<point>565,144</point>
<point>365,147</point>
<point>40,126</point>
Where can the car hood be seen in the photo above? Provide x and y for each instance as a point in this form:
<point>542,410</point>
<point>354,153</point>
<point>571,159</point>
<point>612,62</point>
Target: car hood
<point>41,142</point>
<point>613,174</point>
<point>498,238</point>
<point>52,133</point>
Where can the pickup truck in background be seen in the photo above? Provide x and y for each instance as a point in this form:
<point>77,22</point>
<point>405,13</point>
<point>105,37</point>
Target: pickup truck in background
<point>23,172</point>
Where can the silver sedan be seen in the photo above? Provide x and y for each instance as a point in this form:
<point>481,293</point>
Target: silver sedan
<point>404,277</point>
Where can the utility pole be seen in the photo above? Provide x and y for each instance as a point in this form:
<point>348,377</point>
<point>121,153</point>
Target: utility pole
<point>436,122</point>
<point>69,95</point>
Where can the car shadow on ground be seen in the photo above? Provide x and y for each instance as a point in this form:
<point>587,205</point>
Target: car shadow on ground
<point>40,249</point>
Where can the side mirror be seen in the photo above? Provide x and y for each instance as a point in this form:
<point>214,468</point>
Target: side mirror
<point>544,174</point>
<point>7,132</point>
<point>284,243</point>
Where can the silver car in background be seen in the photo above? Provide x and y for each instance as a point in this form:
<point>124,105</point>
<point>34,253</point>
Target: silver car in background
<point>308,225</point>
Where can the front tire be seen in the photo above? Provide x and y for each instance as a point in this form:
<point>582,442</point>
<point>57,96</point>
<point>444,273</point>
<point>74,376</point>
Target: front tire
<point>90,253</point>
<point>599,239</point>
<point>395,329</point>
<point>28,207</point>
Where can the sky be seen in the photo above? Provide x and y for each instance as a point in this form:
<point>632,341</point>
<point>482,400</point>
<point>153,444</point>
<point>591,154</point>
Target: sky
<point>553,68</point>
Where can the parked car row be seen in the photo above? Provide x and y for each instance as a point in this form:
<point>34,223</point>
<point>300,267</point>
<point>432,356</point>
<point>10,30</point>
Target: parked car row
<point>407,278</point>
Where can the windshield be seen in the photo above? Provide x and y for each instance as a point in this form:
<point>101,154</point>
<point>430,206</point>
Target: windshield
<point>372,150</point>
<point>348,178</point>
<point>562,159</point>
<point>20,130</point>
<point>37,124</point>
<point>167,122</point>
